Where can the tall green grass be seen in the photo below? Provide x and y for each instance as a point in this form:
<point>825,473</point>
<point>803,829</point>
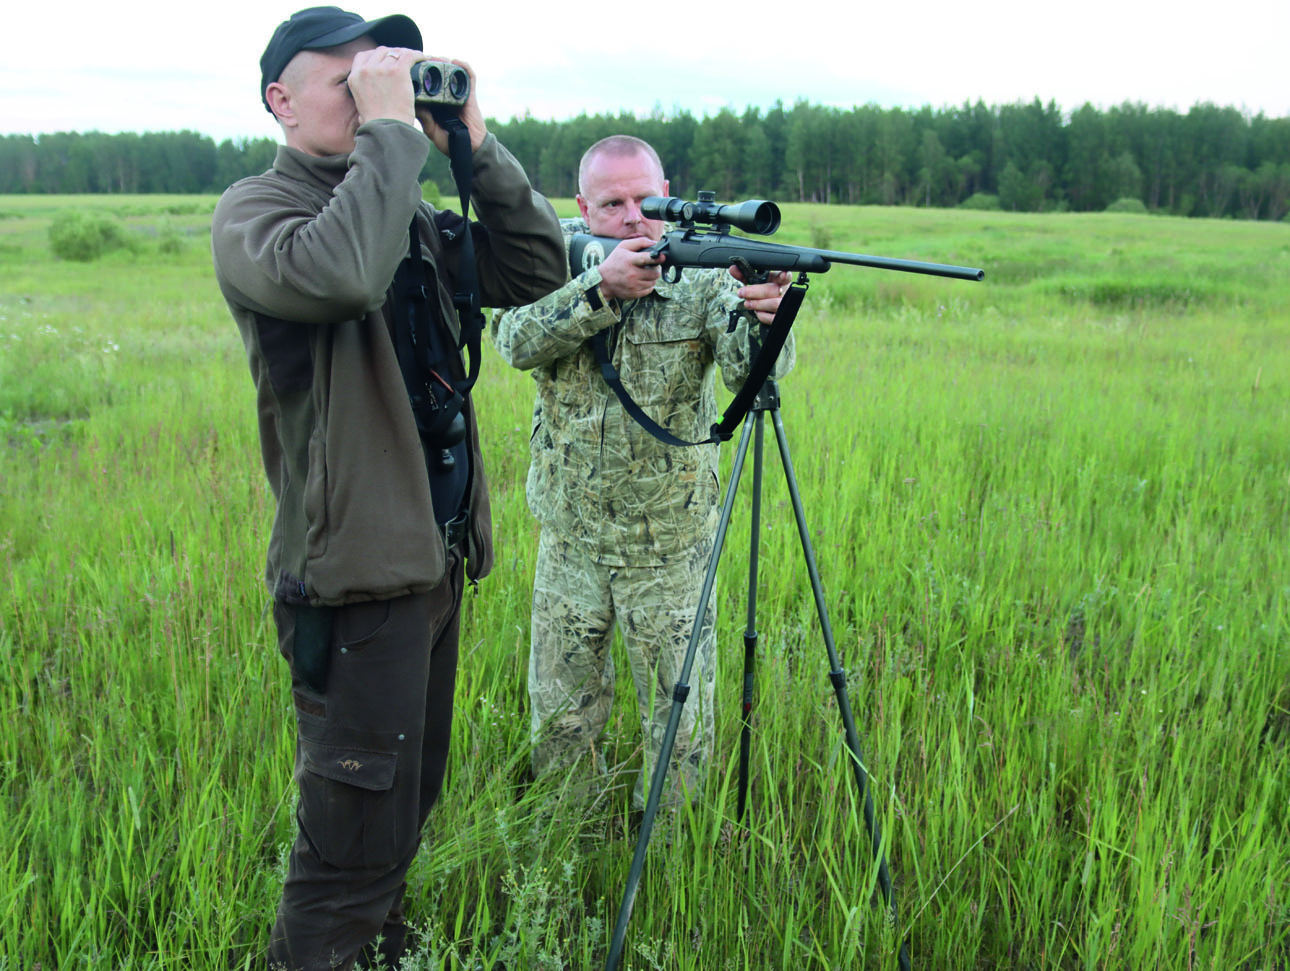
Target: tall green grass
<point>1052,517</point>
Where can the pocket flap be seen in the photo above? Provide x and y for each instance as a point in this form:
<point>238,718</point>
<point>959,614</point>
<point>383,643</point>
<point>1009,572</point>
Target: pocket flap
<point>355,767</point>
<point>667,330</point>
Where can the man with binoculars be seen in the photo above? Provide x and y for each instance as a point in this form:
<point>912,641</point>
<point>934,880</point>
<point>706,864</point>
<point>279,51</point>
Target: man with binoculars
<point>628,522</point>
<point>355,299</point>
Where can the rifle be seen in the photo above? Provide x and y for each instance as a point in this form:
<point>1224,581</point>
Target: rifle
<point>716,248</point>
<point>689,246</point>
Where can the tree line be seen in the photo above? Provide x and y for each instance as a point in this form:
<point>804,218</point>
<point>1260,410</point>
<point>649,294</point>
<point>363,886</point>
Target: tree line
<point>1208,161</point>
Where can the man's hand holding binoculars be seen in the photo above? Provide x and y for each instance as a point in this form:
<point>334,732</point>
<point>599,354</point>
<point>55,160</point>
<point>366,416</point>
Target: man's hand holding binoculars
<point>381,82</point>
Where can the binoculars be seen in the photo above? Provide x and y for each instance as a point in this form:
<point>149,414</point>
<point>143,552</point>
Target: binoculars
<point>440,83</point>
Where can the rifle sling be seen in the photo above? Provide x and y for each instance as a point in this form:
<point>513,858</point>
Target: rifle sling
<point>764,363</point>
<point>762,366</point>
<point>610,373</point>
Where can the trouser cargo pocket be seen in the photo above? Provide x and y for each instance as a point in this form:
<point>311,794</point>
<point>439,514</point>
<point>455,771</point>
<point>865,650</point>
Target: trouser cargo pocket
<point>348,809</point>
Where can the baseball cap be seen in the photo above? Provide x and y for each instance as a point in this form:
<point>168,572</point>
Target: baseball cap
<point>318,27</point>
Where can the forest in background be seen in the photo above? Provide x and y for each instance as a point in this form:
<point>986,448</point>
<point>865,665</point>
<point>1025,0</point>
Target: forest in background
<point>1210,161</point>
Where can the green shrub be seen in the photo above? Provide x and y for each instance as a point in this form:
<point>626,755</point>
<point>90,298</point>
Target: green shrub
<point>76,234</point>
<point>1160,290</point>
<point>1128,204</point>
<point>430,192</point>
<point>189,208</point>
<point>980,200</point>
<point>169,240</point>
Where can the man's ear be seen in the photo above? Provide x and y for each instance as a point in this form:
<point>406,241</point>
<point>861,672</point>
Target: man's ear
<point>582,206</point>
<point>279,98</point>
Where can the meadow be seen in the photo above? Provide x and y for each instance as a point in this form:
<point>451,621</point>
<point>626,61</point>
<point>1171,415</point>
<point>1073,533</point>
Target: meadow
<point>1051,513</point>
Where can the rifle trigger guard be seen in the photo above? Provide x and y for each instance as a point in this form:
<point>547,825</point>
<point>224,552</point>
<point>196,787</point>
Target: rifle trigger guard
<point>660,249</point>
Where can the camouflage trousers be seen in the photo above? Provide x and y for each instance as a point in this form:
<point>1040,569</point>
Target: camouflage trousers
<point>576,605</point>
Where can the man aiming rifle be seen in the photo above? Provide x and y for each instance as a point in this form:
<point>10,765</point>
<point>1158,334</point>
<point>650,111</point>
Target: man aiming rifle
<point>627,521</point>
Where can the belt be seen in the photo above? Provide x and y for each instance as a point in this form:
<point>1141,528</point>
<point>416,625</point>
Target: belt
<point>455,531</point>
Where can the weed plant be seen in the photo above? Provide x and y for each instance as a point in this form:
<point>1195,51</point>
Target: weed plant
<point>1052,518</point>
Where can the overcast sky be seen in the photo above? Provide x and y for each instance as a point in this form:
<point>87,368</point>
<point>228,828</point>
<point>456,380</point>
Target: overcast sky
<point>144,67</point>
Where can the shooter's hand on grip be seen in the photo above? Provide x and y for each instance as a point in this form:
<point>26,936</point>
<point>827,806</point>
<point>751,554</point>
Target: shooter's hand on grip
<point>629,272</point>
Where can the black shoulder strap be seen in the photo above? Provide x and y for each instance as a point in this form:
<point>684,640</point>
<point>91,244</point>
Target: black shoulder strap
<point>412,336</point>
<point>413,317</point>
<point>466,299</point>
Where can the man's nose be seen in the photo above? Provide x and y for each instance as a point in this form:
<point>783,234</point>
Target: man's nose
<point>633,213</point>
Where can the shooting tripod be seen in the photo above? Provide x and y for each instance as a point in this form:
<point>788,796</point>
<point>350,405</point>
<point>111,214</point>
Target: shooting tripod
<point>766,401</point>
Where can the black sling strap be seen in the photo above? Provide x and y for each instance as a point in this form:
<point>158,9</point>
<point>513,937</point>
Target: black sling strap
<point>762,366</point>
<point>435,408</point>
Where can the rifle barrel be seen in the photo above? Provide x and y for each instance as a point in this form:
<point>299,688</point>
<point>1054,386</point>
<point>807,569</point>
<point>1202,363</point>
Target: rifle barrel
<point>818,260</point>
<point>907,266</point>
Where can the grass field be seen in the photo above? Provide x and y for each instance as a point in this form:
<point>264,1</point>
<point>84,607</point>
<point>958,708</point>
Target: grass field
<point>1052,517</point>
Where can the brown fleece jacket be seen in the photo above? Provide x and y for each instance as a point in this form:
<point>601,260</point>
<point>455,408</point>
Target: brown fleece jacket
<point>304,255</point>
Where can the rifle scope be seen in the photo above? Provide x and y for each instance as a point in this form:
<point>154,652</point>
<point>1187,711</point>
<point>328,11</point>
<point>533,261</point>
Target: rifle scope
<point>754,216</point>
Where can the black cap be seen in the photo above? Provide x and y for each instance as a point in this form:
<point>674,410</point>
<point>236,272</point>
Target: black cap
<point>319,27</point>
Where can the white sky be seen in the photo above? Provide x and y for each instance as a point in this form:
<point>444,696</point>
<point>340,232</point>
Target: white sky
<point>148,67</point>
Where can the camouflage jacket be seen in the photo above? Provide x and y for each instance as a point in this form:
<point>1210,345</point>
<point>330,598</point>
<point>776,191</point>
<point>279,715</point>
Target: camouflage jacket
<point>595,475</point>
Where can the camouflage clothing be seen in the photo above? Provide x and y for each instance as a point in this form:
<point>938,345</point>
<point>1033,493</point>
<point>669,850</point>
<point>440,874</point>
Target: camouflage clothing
<point>571,673</point>
<point>596,476</point>
<point>606,490</point>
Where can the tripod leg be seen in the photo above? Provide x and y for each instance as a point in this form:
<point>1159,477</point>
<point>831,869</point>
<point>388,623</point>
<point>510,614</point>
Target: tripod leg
<point>750,631</point>
<point>679,694</point>
<point>838,677</point>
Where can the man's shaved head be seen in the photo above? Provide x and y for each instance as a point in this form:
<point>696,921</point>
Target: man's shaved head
<point>617,146</point>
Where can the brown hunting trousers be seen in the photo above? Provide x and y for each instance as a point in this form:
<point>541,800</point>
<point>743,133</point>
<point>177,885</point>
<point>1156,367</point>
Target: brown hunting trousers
<point>371,753</point>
